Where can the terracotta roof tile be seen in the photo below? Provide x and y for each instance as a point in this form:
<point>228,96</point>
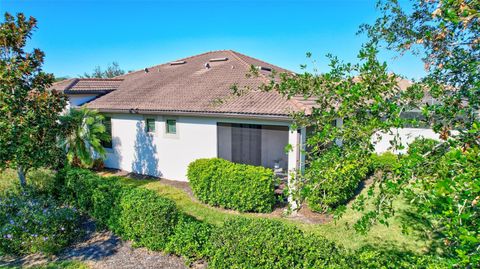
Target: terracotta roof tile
<point>87,85</point>
<point>191,87</point>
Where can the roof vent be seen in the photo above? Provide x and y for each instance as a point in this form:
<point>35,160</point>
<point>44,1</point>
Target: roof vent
<point>264,68</point>
<point>178,62</point>
<point>219,59</point>
<point>207,65</point>
<point>146,70</point>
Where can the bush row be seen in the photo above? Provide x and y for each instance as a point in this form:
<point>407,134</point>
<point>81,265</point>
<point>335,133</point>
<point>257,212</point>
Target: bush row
<point>333,179</point>
<point>264,243</point>
<point>135,213</point>
<point>154,222</point>
<point>245,188</point>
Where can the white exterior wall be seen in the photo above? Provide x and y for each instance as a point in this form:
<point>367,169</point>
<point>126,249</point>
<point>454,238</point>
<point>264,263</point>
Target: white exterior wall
<point>75,100</point>
<point>406,135</point>
<point>160,154</point>
<point>274,142</point>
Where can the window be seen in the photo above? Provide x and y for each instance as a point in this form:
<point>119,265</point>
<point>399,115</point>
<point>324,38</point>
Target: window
<point>108,129</point>
<point>240,143</point>
<point>150,125</point>
<point>171,126</point>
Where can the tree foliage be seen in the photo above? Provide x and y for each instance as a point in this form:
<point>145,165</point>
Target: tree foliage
<point>28,111</point>
<point>446,35</point>
<point>352,102</point>
<point>112,70</point>
<point>441,183</point>
<point>83,133</point>
<point>440,180</point>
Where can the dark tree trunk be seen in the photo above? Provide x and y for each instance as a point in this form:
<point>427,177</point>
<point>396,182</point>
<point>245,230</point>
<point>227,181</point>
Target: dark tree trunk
<point>21,177</point>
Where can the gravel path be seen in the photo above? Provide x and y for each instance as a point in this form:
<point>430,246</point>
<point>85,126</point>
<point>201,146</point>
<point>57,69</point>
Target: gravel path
<point>103,250</point>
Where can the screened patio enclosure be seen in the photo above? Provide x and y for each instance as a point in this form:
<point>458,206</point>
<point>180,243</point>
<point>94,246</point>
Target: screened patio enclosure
<point>261,145</point>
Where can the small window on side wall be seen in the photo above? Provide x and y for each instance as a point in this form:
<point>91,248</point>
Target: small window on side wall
<point>150,125</point>
<point>171,127</point>
<point>107,122</point>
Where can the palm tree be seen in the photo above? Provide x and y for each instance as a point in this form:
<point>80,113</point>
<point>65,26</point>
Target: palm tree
<point>83,136</point>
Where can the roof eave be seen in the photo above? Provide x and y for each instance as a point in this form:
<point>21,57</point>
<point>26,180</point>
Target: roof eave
<point>271,117</point>
<point>87,91</point>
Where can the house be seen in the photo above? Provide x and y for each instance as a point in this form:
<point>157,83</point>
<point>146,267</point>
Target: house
<point>166,116</point>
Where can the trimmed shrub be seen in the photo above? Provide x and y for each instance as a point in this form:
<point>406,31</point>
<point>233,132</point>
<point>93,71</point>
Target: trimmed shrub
<point>133,213</point>
<point>241,187</point>
<point>319,252</point>
<point>190,239</point>
<point>154,222</point>
<point>369,257</point>
<point>147,218</point>
<point>79,185</point>
<point>264,243</point>
<point>30,223</point>
<point>95,195</point>
<point>386,161</point>
<point>259,243</point>
<point>105,203</point>
<point>421,145</point>
<point>333,179</point>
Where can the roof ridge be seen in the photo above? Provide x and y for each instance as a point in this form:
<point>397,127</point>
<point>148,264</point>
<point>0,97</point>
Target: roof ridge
<point>62,81</point>
<point>256,59</point>
<point>295,103</point>
<point>168,62</point>
<point>102,79</point>
<point>69,86</point>
<point>248,65</point>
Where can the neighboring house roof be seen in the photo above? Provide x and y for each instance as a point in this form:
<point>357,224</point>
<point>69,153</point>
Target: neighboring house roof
<point>87,85</point>
<point>308,103</point>
<point>62,84</point>
<point>188,86</point>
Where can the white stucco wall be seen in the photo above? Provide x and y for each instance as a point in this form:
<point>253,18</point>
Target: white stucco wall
<point>160,154</point>
<point>274,141</point>
<point>75,100</point>
<point>406,135</point>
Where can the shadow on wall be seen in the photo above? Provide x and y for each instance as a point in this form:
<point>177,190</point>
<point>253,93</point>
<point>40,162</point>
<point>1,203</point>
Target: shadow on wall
<point>145,159</point>
<point>114,156</point>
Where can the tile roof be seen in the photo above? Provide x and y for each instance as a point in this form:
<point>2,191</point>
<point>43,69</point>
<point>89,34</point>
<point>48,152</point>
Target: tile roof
<point>191,87</point>
<point>62,85</point>
<point>187,86</point>
<point>87,85</point>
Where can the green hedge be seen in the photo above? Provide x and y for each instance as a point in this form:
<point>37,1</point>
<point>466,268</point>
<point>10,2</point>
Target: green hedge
<point>264,243</point>
<point>137,214</point>
<point>190,239</point>
<point>245,188</point>
<point>422,145</point>
<point>386,161</point>
<point>333,179</point>
<point>154,222</point>
<point>147,218</point>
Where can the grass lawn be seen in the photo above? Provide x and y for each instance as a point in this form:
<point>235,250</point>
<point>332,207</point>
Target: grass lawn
<point>54,265</point>
<point>379,236</point>
<point>8,179</point>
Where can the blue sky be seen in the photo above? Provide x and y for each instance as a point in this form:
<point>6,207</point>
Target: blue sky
<point>79,35</point>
